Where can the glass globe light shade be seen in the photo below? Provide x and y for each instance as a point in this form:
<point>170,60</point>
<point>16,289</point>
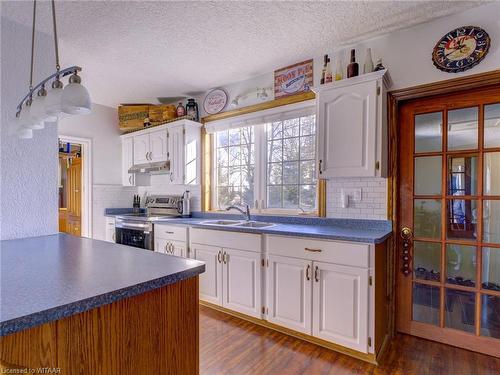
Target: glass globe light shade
<point>32,121</point>
<point>53,100</point>
<point>75,98</point>
<point>25,119</point>
<point>38,106</point>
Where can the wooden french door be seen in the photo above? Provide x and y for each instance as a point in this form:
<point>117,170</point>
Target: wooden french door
<point>448,260</point>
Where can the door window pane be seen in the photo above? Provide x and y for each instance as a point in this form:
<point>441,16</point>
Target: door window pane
<point>491,268</point>
<point>462,219</point>
<point>490,316</point>
<point>491,173</point>
<point>427,218</point>
<point>460,310</point>
<point>462,128</point>
<point>462,172</point>
<point>427,260</point>
<point>461,265</point>
<point>492,125</point>
<point>428,133</point>
<point>491,221</point>
<point>428,175</point>
<point>425,306</point>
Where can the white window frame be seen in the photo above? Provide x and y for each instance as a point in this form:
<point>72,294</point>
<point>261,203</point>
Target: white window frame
<point>259,121</point>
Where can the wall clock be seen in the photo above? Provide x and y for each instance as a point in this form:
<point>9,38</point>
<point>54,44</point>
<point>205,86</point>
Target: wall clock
<point>215,101</point>
<point>461,49</point>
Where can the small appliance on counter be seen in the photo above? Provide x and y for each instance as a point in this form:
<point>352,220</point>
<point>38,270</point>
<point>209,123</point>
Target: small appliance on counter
<point>185,205</point>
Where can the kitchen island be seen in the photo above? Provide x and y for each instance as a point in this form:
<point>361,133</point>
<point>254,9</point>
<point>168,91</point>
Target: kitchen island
<point>82,306</point>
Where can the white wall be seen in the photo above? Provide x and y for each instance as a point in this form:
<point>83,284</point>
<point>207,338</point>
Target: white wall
<point>28,178</point>
<point>101,127</point>
<point>407,55</point>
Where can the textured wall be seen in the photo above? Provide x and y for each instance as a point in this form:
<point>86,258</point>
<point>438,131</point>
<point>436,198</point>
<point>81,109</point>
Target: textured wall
<point>28,197</point>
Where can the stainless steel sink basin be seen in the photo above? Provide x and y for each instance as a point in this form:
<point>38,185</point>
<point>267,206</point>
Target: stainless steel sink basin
<point>254,224</point>
<point>221,222</point>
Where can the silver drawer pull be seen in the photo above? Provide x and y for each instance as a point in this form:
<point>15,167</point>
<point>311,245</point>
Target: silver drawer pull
<point>313,250</point>
<point>167,232</point>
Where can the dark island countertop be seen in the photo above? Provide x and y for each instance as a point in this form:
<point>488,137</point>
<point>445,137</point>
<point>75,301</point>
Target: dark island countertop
<point>51,277</point>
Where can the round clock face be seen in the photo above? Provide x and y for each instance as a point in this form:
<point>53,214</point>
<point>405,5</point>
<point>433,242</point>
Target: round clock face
<point>461,49</point>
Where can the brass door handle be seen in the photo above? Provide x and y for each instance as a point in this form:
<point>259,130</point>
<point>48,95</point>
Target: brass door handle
<point>316,274</point>
<point>225,257</point>
<point>219,257</point>
<point>313,250</point>
<point>406,233</point>
<point>308,269</point>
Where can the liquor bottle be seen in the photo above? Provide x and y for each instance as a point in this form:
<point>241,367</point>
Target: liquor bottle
<point>339,71</point>
<point>353,67</point>
<point>328,73</point>
<point>180,111</point>
<point>323,72</point>
<point>368,67</point>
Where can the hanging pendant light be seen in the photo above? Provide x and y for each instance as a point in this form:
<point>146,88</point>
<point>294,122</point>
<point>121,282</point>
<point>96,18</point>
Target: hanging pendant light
<point>41,106</point>
<point>75,97</point>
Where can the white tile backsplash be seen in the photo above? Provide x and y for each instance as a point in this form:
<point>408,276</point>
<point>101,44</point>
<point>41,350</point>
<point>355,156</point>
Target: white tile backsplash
<point>373,204</point>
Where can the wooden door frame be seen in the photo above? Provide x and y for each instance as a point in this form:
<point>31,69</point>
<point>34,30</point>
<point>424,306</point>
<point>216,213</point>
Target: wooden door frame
<point>395,99</point>
<point>86,218</point>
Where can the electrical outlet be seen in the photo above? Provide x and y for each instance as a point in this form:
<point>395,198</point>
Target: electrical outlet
<point>356,194</point>
<point>351,194</point>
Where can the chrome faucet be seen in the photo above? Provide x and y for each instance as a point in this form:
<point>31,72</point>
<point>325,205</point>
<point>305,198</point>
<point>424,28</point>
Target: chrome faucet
<point>247,213</point>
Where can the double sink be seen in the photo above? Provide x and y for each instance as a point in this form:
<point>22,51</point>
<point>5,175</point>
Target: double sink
<point>238,223</point>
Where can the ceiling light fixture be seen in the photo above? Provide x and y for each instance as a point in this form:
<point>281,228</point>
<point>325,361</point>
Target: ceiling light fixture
<point>39,105</point>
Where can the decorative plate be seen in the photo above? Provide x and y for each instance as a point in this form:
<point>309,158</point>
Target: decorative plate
<point>461,49</point>
<point>215,101</point>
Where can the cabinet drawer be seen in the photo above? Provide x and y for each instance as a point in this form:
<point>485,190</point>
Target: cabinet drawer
<point>347,253</point>
<point>170,232</point>
<point>220,238</point>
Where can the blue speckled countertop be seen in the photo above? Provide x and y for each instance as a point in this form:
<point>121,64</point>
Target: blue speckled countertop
<point>51,277</point>
<point>356,230</point>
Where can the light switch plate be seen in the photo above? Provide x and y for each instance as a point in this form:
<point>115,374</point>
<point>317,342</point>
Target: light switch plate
<point>354,194</point>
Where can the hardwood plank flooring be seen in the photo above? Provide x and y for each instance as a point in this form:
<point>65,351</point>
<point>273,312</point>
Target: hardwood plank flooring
<point>229,345</point>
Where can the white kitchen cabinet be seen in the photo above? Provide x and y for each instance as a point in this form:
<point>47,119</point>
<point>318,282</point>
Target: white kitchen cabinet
<point>241,281</point>
<point>141,148</point>
<point>128,179</point>
<point>176,154</point>
<point>158,146</point>
<point>211,279</point>
<point>352,127</point>
<point>110,229</point>
<point>184,153</point>
<point>233,277</point>
<point>164,246</point>
<point>340,305</point>
<point>289,292</point>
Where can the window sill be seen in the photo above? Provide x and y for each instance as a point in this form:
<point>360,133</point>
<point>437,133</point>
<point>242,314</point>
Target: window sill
<point>293,213</point>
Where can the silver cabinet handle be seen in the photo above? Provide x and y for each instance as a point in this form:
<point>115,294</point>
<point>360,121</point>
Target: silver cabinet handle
<point>166,248</point>
<point>151,155</point>
<point>225,257</point>
<point>320,170</point>
<point>171,177</point>
<point>168,232</point>
<point>130,179</point>
<point>313,250</point>
<point>316,274</point>
<point>308,269</point>
<point>219,257</point>
<point>113,236</point>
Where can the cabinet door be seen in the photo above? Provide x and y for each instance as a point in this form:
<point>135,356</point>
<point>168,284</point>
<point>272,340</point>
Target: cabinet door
<point>347,124</point>
<point>176,154</point>
<point>141,148</point>
<point>340,305</point>
<point>128,179</point>
<point>211,279</point>
<point>241,285</point>
<point>161,245</point>
<point>289,293</point>
<point>178,248</point>
<point>158,145</point>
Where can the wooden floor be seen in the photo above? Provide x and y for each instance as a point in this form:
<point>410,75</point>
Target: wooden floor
<point>230,345</point>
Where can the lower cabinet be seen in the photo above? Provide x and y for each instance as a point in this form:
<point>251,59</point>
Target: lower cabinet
<point>289,293</point>
<point>177,248</point>
<point>340,305</point>
<point>110,229</point>
<point>232,278</point>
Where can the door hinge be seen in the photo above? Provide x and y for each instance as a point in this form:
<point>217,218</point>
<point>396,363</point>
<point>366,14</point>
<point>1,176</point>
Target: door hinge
<point>370,280</point>
<point>378,90</point>
<point>369,341</point>
<point>377,165</point>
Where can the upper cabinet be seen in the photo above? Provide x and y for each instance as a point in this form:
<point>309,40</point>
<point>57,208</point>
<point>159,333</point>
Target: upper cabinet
<point>178,143</point>
<point>352,127</point>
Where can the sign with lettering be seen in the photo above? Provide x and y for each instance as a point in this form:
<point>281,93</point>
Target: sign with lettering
<point>215,101</point>
<point>293,79</point>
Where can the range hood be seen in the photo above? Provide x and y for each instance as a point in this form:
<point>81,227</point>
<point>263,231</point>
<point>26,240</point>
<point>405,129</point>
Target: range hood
<point>155,167</point>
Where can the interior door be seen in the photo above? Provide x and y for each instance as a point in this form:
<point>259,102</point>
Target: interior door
<point>74,196</point>
<point>340,305</point>
<point>211,279</point>
<point>448,272</point>
<point>289,293</point>
<point>242,281</point>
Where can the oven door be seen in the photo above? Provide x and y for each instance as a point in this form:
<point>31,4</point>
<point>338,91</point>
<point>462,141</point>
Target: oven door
<point>136,235</point>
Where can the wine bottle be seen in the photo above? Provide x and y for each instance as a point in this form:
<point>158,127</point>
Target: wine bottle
<point>353,67</point>
<point>328,74</point>
<point>323,72</point>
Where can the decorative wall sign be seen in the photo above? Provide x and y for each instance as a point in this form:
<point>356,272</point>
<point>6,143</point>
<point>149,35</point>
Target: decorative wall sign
<point>215,101</point>
<point>293,79</point>
<point>461,49</point>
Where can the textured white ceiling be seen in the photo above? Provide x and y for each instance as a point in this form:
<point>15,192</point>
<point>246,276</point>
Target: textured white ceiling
<point>137,51</point>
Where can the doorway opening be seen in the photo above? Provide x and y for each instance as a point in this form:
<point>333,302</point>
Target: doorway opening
<point>74,186</point>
